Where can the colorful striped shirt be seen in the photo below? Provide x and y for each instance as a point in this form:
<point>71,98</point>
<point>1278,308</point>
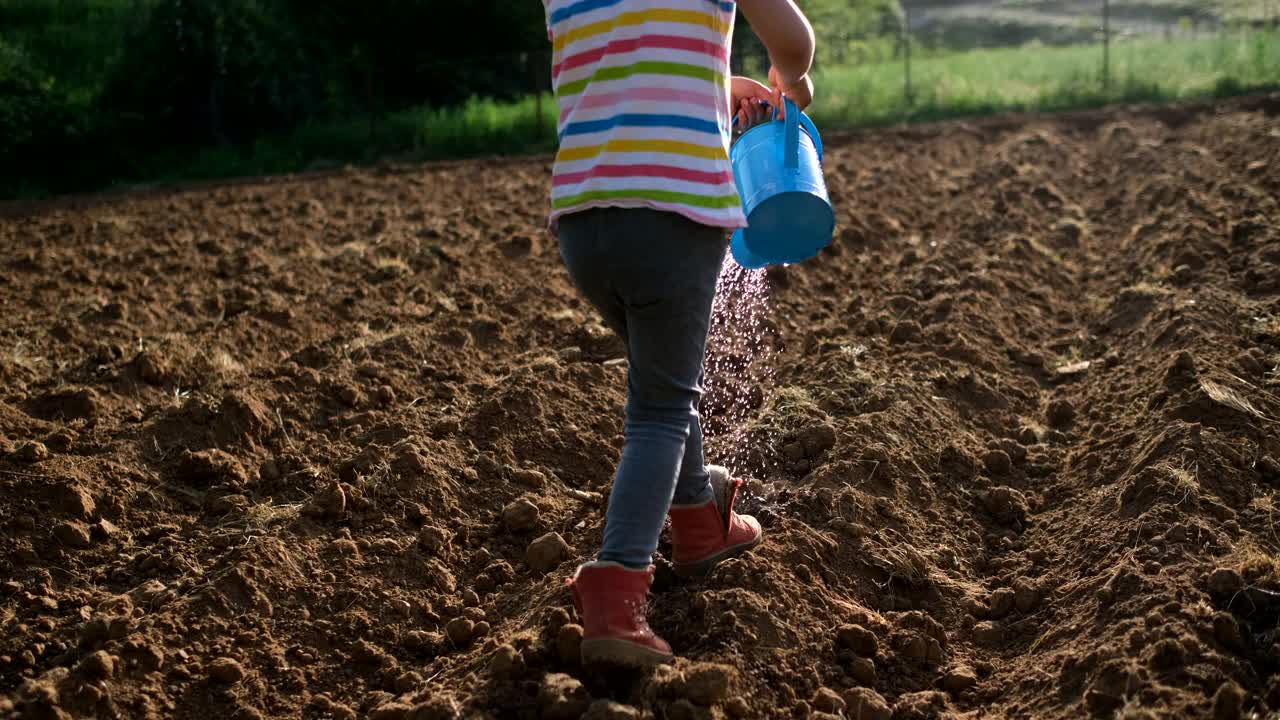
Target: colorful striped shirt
<point>643,90</point>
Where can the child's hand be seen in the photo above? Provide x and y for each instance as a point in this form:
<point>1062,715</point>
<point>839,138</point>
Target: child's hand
<point>747,97</point>
<point>799,91</point>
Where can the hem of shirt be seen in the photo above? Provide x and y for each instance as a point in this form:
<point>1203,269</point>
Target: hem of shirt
<point>729,224</point>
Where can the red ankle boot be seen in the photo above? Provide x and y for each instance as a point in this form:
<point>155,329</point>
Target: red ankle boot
<point>610,600</point>
<point>703,535</point>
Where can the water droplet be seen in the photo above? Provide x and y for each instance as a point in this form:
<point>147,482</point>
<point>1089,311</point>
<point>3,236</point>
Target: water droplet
<point>740,367</point>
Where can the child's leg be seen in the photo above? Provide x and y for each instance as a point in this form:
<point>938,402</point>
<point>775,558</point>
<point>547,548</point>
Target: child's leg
<point>655,274</point>
<point>693,486</point>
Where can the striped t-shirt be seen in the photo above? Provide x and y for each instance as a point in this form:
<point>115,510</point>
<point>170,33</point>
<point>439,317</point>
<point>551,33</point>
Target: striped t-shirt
<point>643,90</point>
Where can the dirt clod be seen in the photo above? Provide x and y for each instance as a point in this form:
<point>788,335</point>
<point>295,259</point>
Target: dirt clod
<point>520,516</point>
<point>226,670</point>
<point>1226,581</point>
<point>1001,603</point>
<point>569,644</point>
<point>828,701</point>
<point>863,672</point>
<point>707,683</point>
<point>866,704</point>
<point>1026,594</point>
<point>31,452</point>
<point>547,552</point>
<point>97,665</point>
<point>988,633</point>
<point>959,679</point>
<point>997,462</point>
<point>1228,702</point>
<point>1060,413</point>
<point>460,630</point>
<point>858,639</point>
<point>610,710</point>
<point>73,534</point>
<point>528,477</point>
<point>561,697</point>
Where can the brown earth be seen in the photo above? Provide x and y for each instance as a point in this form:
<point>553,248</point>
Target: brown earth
<point>1019,458</point>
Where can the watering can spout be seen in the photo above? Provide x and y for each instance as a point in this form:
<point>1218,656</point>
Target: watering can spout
<point>778,170</point>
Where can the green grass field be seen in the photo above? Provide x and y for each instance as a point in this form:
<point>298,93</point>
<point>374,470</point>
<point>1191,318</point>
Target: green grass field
<point>1044,78</point>
<point>944,86</point>
<point>947,85</point>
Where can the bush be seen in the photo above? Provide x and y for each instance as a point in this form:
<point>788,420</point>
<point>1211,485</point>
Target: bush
<point>39,122</point>
<point>205,71</point>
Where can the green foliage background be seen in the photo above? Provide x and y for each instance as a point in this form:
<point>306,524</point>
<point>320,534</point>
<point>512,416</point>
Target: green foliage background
<point>98,92</point>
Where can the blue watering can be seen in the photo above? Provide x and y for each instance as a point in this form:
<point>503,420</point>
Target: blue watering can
<point>778,171</point>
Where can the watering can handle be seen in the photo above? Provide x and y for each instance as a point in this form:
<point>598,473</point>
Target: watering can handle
<point>791,151</point>
<point>794,120</point>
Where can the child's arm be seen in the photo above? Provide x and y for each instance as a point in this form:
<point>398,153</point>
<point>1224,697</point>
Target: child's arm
<point>788,36</point>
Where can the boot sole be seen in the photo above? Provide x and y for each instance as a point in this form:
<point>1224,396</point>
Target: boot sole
<point>703,568</point>
<point>611,651</point>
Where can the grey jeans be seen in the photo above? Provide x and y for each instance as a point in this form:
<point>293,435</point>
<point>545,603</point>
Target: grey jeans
<point>652,276</point>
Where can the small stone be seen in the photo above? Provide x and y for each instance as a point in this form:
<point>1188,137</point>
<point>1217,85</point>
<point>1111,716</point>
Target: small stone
<point>569,644</point>
<point>997,462</point>
<point>858,639</point>
<point>988,633</point>
<point>958,679</point>
<point>226,671</point>
<point>547,552</point>
<point>460,630</point>
<point>1228,702</point>
<point>72,534</point>
<point>31,452</point>
<point>610,710</point>
<point>98,665</point>
<point>866,704</point>
<point>1026,595</point>
<point>707,683</point>
<point>863,671</point>
<point>520,516</point>
<point>826,700</point>
<point>1001,603</point>
<point>1225,581</point>
<point>1060,413</point>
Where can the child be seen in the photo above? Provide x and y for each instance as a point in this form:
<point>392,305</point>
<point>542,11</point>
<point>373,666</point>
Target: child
<point>643,198</point>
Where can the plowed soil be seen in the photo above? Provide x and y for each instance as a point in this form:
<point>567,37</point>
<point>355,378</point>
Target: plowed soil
<point>281,449</point>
